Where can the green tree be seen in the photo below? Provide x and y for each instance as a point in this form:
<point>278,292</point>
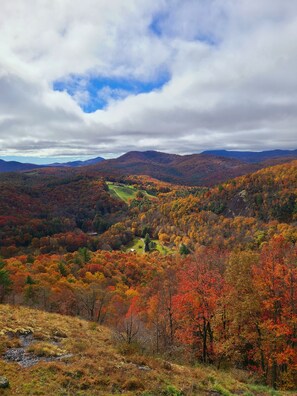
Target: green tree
<point>184,250</point>
<point>62,269</point>
<point>84,254</point>
<point>30,280</point>
<point>5,281</point>
<point>147,241</point>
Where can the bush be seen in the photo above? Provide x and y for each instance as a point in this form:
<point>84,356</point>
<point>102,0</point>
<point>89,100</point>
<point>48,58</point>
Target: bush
<point>171,390</point>
<point>133,384</point>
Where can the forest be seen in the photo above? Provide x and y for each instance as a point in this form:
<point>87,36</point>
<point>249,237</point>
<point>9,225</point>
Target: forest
<point>223,293</point>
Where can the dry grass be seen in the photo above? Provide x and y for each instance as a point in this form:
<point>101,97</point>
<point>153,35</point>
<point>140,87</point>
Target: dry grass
<point>96,367</point>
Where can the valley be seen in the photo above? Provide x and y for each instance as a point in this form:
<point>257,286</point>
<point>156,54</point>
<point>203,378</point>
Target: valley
<point>188,275</point>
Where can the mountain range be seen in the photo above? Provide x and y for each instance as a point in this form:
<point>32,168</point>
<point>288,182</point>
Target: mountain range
<point>253,156</point>
<point>15,166</point>
<point>205,169</point>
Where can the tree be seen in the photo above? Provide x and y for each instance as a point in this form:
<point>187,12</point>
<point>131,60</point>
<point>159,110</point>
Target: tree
<point>275,278</point>
<point>199,288</point>
<point>147,241</point>
<point>240,326</point>
<point>5,281</point>
<point>184,250</point>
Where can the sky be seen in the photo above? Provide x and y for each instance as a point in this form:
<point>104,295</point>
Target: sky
<point>80,79</point>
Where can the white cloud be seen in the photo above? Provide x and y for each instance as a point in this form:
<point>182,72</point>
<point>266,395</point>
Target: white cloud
<point>232,66</point>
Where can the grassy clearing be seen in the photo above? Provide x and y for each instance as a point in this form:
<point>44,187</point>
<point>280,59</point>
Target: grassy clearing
<point>138,245</point>
<point>125,192</point>
<point>97,366</point>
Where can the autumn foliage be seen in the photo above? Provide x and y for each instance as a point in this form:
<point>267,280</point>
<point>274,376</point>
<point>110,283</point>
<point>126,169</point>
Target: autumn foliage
<point>228,297</point>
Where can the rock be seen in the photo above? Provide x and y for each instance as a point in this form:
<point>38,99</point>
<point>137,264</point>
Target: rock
<point>4,383</point>
<point>145,368</point>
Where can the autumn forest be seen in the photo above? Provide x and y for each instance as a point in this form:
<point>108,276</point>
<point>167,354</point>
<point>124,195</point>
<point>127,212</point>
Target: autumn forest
<point>203,273</point>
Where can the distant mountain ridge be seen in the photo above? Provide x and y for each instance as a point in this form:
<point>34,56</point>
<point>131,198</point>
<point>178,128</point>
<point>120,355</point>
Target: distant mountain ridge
<point>75,164</point>
<point>15,166</point>
<point>253,156</point>
<point>205,169</point>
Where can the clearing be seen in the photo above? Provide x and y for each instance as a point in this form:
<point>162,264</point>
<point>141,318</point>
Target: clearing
<point>125,192</point>
<point>138,246</point>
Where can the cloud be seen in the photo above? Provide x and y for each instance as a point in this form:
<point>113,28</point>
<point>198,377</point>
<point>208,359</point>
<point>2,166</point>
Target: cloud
<point>87,78</point>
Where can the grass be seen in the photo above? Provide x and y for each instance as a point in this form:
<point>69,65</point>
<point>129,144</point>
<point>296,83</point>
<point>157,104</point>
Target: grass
<point>125,192</point>
<point>45,349</point>
<point>97,367</point>
<point>138,245</point>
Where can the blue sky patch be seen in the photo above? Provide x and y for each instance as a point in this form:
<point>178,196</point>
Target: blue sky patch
<point>207,39</point>
<point>156,24</point>
<point>95,93</point>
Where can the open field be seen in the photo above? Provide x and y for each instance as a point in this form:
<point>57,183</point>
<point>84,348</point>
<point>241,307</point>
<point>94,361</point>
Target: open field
<point>125,192</point>
<point>138,245</point>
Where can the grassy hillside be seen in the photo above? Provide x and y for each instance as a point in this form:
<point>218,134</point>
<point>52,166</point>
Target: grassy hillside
<point>125,192</point>
<point>69,356</point>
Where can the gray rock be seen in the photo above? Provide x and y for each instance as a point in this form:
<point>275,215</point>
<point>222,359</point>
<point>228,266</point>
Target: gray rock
<point>4,383</point>
<point>145,368</point>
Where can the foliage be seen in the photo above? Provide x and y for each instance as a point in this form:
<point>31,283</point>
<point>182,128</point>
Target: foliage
<point>228,299</point>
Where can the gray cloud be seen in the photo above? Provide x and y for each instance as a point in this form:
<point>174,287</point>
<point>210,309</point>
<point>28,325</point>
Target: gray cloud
<point>232,66</point>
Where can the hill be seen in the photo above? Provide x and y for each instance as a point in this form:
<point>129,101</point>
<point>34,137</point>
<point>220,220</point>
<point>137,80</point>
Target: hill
<point>254,157</point>
<point>195,169</point>
<point>47,202</point>
<point>50,354</point>
<point>268,194</point>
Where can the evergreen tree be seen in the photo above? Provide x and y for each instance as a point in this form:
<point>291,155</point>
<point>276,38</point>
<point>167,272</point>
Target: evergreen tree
<point>147,241</point>
<point>184,250</point>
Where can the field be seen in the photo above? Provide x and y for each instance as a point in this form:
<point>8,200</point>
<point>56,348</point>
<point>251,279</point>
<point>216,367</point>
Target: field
<point>138,245</point>
<point>125,192</point>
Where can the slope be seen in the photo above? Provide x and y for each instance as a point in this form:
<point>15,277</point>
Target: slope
<point>60,355</point>
<point>195,169</point>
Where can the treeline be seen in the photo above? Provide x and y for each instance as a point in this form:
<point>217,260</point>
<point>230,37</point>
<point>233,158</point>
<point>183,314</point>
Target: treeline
<point>223,307</point>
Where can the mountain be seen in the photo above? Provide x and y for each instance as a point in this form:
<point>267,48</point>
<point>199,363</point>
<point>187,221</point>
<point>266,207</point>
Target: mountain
<point>205,169</point>
<point>76,164</point>
<point>194,169</point>
<point>15,166</point>
<point>254,157</point>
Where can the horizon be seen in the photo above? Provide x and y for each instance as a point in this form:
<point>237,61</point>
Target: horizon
<point>62,160</point>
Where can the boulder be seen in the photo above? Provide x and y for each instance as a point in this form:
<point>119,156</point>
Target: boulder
<point>4,383</point>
